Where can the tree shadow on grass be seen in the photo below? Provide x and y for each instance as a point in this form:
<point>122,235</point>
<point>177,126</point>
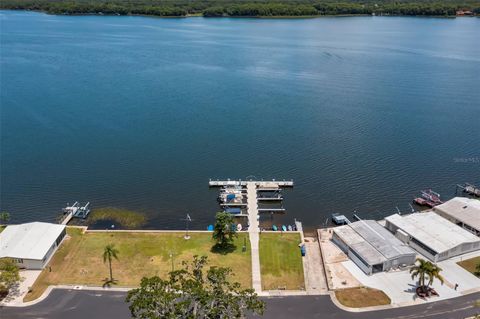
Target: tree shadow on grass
<point>223,249</point>
<point>107,283</point>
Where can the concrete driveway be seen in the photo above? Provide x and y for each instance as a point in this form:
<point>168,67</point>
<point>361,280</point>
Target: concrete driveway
<point>17,293</point>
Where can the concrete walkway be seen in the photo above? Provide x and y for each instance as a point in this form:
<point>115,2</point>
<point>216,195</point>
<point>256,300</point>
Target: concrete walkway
<point>253,232</point>
<point>315,281</point>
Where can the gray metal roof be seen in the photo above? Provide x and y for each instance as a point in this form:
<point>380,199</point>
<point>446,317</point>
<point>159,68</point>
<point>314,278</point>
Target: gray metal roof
<point>466,210</point>
<point>380,238</point>
<point>372,242</point>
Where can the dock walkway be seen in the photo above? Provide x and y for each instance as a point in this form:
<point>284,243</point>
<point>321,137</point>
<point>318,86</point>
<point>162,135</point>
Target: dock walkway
<point>266,185</point>
<point>66,219</point>
<point>253,233</point>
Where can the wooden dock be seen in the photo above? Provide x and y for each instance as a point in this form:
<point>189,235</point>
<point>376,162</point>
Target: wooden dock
<point>233,204</point>
<point>66,219</point>
<point>253,234</point>
<point>271,210</point>
<point>470,189</point>
<point>261,185</point>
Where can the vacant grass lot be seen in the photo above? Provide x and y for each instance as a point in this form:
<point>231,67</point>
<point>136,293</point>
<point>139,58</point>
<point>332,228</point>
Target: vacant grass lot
<point>280,261</point>
<point>470,264</point>
<point>79,260</point>
<point>359,297</point>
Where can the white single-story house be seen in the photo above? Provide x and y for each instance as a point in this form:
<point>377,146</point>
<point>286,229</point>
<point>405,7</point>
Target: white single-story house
<point>31,245</point>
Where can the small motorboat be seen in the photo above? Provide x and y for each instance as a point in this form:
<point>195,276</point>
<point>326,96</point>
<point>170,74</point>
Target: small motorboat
<point>284,228</point>
<point>274,228</point>
<point>290,228</point>
<point>239,227</point>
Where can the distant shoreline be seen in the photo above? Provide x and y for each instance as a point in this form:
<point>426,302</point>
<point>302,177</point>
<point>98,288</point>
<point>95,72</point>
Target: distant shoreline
<point>266,17</point>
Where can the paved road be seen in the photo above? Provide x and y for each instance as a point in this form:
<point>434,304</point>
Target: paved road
<point>78,304</point>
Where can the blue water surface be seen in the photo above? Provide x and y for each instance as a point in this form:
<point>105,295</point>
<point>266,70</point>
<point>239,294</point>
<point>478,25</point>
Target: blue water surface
<point>139,113</point>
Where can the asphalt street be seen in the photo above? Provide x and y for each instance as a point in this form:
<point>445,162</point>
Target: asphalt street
<point>83,304</point>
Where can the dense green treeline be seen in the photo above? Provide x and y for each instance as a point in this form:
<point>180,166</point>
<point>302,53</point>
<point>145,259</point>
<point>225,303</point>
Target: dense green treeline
<point>238,8</point>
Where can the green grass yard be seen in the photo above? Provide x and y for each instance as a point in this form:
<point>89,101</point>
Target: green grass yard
<point>280,261</point>
<point>79,259</point>
<point>470,264</point>
<point>360,297</point>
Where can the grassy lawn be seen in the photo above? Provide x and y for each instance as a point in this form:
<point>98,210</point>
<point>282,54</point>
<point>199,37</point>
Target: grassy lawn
<point>280,261</point>
<point>470,264</point>
<point>361,297</point>
<point>79,260</point>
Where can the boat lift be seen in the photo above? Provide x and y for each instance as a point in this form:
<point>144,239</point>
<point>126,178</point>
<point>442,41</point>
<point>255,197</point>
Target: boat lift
<point>470,189</point>
<point>77,211</point>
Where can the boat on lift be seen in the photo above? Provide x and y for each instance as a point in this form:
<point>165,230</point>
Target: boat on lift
<point>77,210</point>
<point>428,198</point>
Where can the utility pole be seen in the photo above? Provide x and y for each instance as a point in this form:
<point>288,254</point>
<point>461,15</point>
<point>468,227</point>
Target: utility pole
<point>172,255</point>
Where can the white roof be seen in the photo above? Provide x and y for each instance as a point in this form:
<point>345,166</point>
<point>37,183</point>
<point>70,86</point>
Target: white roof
<point>28,241</point>
<point>466,210</point>
<point>433,230</point>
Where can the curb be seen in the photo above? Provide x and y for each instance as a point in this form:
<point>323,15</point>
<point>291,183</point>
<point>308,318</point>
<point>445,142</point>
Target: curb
<point>337,303</point>
<point>49,289</point>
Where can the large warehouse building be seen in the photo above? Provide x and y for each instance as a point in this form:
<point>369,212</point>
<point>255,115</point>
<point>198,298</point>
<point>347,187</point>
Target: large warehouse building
<point>465,212</point>
<point>432,235</point>
<point>372,247</point>
<point>31,245</point>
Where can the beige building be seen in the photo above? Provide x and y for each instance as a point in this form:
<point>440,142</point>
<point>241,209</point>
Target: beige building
<point>465,212</point>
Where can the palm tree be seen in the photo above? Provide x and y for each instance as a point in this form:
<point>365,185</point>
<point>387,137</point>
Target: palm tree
<point>109,252</point>
<point>421,270</point>
<point>435,273</point>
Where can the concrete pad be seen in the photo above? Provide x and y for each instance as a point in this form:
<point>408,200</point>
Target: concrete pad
<point>315,281</point>
<point>454,274</point>
<point>341,277</point>
<point>400,287</point>
<point>337,276</point>
<point>331,252</point>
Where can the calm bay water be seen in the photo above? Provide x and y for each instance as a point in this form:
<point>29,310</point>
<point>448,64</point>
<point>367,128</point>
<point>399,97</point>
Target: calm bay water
<point>135,112</point>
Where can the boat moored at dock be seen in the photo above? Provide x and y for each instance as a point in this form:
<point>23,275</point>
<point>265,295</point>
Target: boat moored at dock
<point>76,210</point>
